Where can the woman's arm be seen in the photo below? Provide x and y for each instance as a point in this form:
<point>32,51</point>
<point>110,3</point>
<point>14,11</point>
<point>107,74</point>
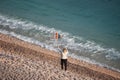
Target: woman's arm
<point>59,50</point>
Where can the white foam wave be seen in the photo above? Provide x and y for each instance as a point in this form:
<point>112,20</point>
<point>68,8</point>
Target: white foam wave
<point>25,25</point>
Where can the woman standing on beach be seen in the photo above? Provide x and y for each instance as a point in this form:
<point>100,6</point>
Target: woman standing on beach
<point>64,58</point>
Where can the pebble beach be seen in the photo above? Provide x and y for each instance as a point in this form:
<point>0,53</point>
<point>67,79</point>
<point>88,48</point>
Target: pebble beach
<point>20,60</point>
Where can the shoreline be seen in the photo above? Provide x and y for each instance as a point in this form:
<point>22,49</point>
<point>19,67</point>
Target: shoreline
<point>14,45</point>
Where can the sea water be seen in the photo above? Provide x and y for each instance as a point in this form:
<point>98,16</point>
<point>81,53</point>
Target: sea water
<point>90,28</point>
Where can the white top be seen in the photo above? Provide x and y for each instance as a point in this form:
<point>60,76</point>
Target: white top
<point>64,55</point>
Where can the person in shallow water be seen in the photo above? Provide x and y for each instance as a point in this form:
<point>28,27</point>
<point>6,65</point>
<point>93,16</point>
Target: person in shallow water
<point>57,36</point>
<point>64,56</point>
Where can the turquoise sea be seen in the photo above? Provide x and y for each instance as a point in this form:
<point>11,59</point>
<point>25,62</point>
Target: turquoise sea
<point>90,28</point>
